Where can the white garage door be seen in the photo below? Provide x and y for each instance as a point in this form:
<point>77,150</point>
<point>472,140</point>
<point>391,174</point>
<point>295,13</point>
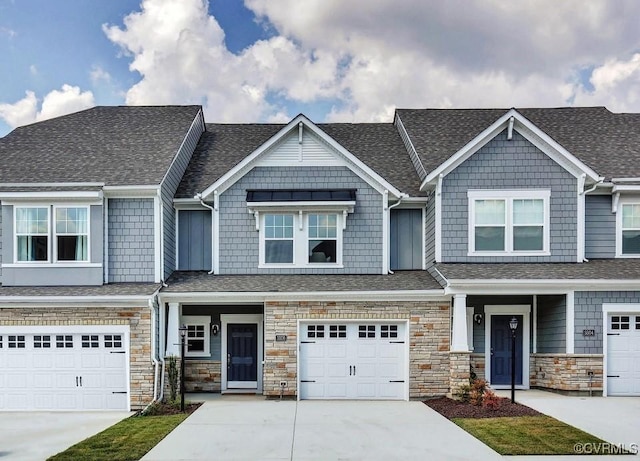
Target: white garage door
<point>61,370</point>
<point>623,355</point>
<point>353,361</point>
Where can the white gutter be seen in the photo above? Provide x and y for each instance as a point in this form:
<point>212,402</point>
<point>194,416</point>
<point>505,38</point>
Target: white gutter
<point>154,358</point>
<point>213,218</point>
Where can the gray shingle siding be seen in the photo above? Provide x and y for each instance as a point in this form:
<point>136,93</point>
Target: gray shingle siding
<point>515,164</point>
<point>362,238</point>
<point>168,189</point>
<point>0,244</point>
<point>588,315</point>
<point>552,315</point>
<point>131,240</point>
<point>430,231</point>
<point>600,227</point>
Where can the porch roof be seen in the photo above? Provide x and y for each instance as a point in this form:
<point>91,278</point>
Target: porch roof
<point>598,269</point>
<point>189,281</point>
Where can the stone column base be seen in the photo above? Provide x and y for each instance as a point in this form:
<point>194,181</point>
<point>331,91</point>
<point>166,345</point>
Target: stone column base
<point>458,371</point>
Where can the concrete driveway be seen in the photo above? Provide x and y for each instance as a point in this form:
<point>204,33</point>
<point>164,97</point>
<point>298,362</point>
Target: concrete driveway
<point>34,436</point>
<point>250,428</point>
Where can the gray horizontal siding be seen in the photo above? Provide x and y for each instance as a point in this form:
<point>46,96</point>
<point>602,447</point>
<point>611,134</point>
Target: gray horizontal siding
<point>168,190</point>
<point>362,238</point>
<point>600,227</point>
<point>504,164</point>
<point>131,240</point>
<point>194,240</point>
<point>552,315</point>
<point>588,315</point>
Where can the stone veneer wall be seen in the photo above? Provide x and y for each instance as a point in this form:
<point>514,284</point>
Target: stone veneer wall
<point>567,372</point>
<point>138,319</point>
<point>429,326</point>
<point>459,373</point>
<point>202,375</point>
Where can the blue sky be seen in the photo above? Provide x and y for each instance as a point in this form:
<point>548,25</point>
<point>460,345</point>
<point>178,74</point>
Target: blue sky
<point>268,60</point>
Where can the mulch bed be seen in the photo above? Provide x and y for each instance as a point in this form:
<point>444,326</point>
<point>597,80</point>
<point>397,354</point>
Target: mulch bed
<point>164,408</point>
<point>450,409</point>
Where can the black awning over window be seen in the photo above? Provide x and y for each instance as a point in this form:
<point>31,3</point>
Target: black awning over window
<point>300,195</point>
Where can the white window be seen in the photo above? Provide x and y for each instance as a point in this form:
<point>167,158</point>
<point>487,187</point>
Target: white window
<point>508,222</point>
<point>629,230</point>
<point>197,340</point>
<point>303,239</point>
<point>32,234</point>
<point>68,230</point>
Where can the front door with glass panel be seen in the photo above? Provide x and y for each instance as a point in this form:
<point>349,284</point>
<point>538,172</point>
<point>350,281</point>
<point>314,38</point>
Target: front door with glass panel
<point>501,350</point>
<point>242,355</point>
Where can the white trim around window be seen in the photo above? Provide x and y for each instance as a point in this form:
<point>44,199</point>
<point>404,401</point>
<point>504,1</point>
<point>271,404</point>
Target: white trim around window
<point>501,217</point>
<point>301,239</point>
<point>75,225</point>
<point>198,336</point>
<point>628,220</point>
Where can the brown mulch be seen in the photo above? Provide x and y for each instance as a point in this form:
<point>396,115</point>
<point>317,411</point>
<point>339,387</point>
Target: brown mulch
<point>164,408</point>
<point>450,409</point>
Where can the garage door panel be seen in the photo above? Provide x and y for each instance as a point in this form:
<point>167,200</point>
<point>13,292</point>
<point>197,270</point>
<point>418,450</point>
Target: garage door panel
<point>352,360</point>
<point>56,371</point>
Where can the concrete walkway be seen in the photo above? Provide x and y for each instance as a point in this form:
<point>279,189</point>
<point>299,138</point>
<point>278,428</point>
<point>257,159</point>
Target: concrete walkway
<point>242,428</point>
<point>35,436</point>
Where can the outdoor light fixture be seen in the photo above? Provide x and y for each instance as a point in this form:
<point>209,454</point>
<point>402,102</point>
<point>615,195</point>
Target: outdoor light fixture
<point>183,334</point>
<point>513,325</point>
<point>215,328</point>
<point>477,318</point>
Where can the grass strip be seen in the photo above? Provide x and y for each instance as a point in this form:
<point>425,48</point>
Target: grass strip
<point>128,440</point>
<point>530,435</point>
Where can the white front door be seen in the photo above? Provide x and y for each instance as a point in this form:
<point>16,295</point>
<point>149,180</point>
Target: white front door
<point>54,369</point>
<point>360,360</point>
<point>623,354</point>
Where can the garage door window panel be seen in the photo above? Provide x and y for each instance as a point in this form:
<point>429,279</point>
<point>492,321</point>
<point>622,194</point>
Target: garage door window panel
<point>619,322</point>
<point>90,341</point>
<point>64,341</point>
<point>338,331</point>
<point>42,341</point>
<point>366,331</point>
<point>388,331</point>
<point>112,341</point>
<point>16,342</point>
<point>315,331</point>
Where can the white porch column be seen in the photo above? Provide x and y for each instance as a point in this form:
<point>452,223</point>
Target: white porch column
<point>173,323</point>
<point>570,322</point>
<point>459,338</point>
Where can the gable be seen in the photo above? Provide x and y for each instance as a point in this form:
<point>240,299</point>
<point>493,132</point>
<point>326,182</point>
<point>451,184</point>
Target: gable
<point>303,148</point>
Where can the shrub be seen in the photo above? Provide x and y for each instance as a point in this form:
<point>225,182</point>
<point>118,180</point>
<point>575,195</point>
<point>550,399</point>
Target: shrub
<point>462,393</point>
<point>490,400</point>
<point>476,394</point>
<point>172,372</point>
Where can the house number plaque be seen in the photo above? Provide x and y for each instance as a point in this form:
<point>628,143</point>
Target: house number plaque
<point>588,332</point>
<point>281,337</point>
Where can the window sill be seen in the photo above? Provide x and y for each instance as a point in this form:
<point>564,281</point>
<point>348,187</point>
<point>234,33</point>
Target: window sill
<point>197,355</point>
<point>505,254</point>
<point>631,256</point>
<point>45,265</point>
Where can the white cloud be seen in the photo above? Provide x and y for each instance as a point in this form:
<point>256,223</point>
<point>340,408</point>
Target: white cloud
<point>33,70</point>
<point>57,102</point>
<point>369,57</point>
<point>98,74</point>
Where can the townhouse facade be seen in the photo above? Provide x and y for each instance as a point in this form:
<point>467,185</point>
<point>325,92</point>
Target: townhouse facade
<point>318,261</point>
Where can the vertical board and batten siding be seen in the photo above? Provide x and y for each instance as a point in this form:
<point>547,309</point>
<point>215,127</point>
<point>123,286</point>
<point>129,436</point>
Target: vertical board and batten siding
<point>168,189</point>
<point>1,258</point>
<point>362,238</point>
<point>588,315</point>
<point>600,227</point>
<point>552,318</point>
<point>131,240</point>
<point>405,239</point>
<point>52,274</point>
<point>430,231</point>
<point>413,155</point>
<point>509,164</point>
<point>194,240</point>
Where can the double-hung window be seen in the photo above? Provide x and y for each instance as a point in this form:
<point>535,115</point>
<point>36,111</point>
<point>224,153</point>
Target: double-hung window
<point>629,230</point>
<point>301,239</point>
<point>51,234</point>
<point>508,222</point>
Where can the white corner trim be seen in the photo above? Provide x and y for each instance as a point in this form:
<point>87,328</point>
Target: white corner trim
<point>438,220</point>
<point>157,237</point>
<point>385,232</point>
<point>581,219</point>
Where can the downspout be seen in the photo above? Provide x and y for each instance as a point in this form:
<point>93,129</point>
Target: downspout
<point>154,355</point>
<point>213,211</point>
<point>389,208</point>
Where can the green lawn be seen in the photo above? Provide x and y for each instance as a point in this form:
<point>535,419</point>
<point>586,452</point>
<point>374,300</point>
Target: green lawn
<point>129,440</point>
<point>530,435</point>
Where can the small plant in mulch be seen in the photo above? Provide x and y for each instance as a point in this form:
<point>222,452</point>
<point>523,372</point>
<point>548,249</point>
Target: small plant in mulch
<point>172,372</point>
<point>492,407</point>
<point>170,408</point>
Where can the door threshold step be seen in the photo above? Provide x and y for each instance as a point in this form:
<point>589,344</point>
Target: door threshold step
<point>241,391</point>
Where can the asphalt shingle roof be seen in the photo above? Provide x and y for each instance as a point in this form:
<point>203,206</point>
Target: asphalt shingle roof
<point>112,289</point>
<point>223,146</point>
<point>596,269</point>
<point>203,282</point>
<point>607,142</point>
<point>118,146</point>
